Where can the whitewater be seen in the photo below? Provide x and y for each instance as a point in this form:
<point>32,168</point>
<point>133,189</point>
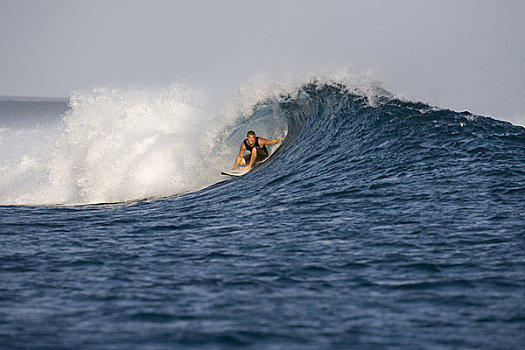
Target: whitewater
<point>117,145</point>
<point>378,223</point>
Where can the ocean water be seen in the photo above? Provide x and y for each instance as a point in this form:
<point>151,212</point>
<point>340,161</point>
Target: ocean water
<point>379,223</point>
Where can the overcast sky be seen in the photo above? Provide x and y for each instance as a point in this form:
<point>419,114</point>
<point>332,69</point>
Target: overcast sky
<point>457,54</point>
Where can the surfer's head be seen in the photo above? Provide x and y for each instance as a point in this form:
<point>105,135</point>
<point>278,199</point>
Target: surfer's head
<point>250,136</point>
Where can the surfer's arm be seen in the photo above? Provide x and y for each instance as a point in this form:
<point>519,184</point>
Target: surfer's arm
<point>239,157</point>
<point>263,141</point>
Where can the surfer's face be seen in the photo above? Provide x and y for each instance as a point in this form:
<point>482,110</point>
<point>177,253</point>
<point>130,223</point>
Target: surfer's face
<point>251,140</point>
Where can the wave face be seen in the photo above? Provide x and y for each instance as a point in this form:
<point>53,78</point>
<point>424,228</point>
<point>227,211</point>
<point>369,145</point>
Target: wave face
<point>378,223</point>
<point>372,147</point>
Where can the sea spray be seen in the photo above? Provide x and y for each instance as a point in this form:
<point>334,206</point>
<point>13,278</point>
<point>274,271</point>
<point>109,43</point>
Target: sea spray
<point>114,145</point>
<point>125,144</point>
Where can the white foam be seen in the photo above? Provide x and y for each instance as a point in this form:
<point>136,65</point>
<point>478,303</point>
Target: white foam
<point>124,144</point>
<point>113,145</point>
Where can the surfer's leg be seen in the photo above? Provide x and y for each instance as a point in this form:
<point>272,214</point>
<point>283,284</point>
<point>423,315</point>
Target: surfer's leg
<point>253,156</point>
<point>261,155</point>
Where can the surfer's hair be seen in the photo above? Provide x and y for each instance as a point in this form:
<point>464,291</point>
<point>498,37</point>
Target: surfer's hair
<point>251,132</point>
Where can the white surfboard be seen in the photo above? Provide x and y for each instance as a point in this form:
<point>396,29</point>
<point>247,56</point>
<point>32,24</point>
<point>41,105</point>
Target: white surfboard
<point>238,172</point>
<point>234,172</point>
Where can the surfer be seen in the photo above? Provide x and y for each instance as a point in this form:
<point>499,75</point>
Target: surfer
<point>257,147</point>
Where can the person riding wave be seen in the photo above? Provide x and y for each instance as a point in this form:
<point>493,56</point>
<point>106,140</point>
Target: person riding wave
<point>257,147</point>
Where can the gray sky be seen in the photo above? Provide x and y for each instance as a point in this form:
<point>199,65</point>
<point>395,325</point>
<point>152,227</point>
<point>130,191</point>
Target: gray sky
<point>455,54</point>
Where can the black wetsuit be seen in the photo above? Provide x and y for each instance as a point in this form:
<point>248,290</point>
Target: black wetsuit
<point>262,152</point>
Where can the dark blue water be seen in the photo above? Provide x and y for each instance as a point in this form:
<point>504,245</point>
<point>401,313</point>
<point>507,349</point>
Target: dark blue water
<point>384,225</point>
